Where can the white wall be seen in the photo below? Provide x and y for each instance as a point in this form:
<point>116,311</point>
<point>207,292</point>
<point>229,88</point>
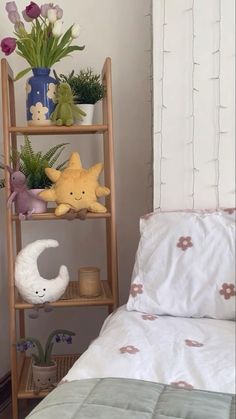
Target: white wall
<point>119,29</point>
<point>177,149</point>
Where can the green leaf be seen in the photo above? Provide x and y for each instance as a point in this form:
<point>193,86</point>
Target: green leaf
<point>66,37</point>
<point>22,73</point>
<point>33,164</point>
<point>50,153</point>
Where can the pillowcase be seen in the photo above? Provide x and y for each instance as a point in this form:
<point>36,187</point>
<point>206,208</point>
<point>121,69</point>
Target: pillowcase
<point>185,265</point>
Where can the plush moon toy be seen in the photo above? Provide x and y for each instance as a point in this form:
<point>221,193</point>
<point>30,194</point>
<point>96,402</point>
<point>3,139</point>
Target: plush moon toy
<point>32,287</point>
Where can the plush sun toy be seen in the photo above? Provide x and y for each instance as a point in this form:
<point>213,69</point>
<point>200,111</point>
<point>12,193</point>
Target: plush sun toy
<point>75,188</point>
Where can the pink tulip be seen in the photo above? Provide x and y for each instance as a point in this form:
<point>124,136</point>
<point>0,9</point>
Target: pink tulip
<point>8,45</point>
<point>45,8</point>
<point>33,10</point>
<point>11,6</point>
<point>26,17</point>
<point>59,12</point>
<point>14,17</point>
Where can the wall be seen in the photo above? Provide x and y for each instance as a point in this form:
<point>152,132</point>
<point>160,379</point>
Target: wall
<point>119,29</point>
<point>194,114</point>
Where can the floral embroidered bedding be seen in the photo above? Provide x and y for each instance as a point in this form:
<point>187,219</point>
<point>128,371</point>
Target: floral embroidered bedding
<point>177,328</point>
<point>185,265</point>
<point>183,352</point>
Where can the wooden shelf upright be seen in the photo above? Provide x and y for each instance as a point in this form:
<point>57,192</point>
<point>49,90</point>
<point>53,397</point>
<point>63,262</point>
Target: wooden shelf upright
<point>21,377</point>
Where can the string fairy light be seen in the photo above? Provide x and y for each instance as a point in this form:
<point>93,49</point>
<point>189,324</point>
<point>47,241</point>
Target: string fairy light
<point>149,197</point>
<point>194,90</point>
<point>163,107</point>
<point>219,106</point>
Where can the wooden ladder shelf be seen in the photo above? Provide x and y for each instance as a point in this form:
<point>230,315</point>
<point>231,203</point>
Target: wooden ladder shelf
<point>21,374</point>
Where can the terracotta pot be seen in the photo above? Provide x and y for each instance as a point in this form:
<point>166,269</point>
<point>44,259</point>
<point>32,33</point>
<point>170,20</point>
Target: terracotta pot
<point>26,203</point>
<point>44,377</point>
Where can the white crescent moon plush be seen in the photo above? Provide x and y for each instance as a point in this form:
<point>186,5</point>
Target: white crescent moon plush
<point>32,287</point>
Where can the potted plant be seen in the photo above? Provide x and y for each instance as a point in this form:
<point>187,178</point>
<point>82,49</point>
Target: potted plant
<point>44,367</point>
<point>42,45</point>
<point>33,164</point>
<point>87,89</point>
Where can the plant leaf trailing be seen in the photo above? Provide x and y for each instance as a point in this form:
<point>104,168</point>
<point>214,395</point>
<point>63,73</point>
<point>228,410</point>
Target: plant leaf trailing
<point>43,357</point>
<point>86,86</point>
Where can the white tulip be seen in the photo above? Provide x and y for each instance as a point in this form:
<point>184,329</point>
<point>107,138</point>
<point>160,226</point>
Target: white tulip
<point>52,15</point>
<point>57,29</point>
<point>75,30</point>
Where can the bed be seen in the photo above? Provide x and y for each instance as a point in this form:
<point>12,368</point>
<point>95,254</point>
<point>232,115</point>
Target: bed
<point>170,351</point>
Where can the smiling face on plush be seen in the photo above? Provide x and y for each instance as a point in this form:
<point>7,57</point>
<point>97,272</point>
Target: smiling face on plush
<point>32,287</point>
<point>75,188</point>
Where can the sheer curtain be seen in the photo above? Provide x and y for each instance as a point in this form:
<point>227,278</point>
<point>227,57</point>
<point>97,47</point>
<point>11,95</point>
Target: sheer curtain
<point>193,103</point>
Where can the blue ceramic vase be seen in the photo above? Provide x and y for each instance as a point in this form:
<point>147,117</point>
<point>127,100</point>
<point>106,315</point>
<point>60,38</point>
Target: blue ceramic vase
<point>40,97</point>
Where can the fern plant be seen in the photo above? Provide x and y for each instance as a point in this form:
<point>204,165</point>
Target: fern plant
<point>33,164</point>
<point>86,86</point>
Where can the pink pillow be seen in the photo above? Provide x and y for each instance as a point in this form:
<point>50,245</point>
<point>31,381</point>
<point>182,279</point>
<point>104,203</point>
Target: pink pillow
<point>185,265</point>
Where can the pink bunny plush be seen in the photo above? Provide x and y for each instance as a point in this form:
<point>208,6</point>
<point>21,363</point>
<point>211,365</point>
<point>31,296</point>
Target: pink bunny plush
<point>19,188</point>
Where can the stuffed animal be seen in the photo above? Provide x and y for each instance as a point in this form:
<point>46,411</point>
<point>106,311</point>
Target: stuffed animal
<point>19,189</point>
<point>66,112</point>
<point>32,287</point>
<point>75,188</point>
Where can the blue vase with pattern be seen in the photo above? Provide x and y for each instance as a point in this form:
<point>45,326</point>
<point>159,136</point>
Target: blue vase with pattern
<point>40,97</point>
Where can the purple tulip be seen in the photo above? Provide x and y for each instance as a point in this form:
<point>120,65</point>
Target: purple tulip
<point>11,7</point>
<point>14,17</point>
<point>33,10</point>
<point>8,45</point>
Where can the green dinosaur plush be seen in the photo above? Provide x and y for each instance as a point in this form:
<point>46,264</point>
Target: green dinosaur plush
<point>66,112</point>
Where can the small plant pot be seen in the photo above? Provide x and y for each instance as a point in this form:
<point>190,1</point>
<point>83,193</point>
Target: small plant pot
<point>44,376</point>
<point>26,203</point>
<point>89,110</point>
<point>89,282</point>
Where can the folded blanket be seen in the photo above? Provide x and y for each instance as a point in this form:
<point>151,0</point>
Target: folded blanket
<point>119,398</point>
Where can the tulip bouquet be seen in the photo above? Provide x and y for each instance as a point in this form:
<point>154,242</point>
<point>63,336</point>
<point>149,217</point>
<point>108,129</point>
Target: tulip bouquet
<point>44,44</point>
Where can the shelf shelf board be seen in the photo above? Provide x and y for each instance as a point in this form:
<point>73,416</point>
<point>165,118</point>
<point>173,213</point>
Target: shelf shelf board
<point>72,298</point>
<point>26,388</point>
<point>51,216</point>
<point>54,130</point>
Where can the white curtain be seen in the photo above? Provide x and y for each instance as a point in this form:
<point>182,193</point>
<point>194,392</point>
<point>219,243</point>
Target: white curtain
<point>193,109</point>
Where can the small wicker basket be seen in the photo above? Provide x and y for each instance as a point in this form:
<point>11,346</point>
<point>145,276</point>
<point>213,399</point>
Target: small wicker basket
<point>89,282</point>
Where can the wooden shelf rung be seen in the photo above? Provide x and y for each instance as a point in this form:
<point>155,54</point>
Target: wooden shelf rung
<point>47,216</point>
<point>72,298</point>
<point>54,130</point>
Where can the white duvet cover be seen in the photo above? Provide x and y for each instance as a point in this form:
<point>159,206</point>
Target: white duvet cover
<point>186,352</point>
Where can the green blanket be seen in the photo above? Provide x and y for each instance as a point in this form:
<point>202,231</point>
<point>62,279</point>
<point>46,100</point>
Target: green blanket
<point>119,398</point>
